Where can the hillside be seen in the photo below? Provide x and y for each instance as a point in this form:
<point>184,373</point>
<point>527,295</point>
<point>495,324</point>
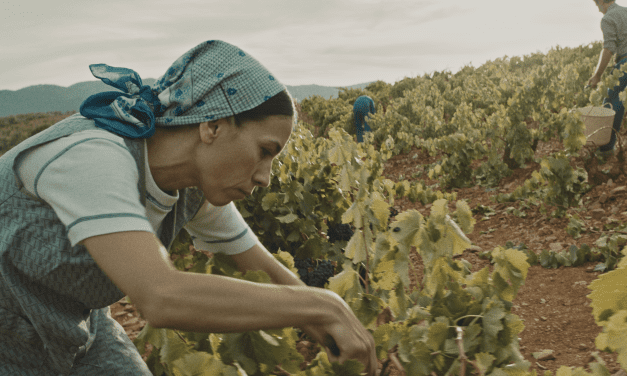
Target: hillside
<point>49,98</point>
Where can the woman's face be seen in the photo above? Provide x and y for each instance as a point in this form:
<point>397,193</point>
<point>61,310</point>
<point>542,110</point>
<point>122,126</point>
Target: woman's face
<point>233,161</point>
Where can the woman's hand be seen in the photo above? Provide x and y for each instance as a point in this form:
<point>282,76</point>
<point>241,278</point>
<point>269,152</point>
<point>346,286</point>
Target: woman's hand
<point>593,82</point>
<point>339,329</point>
<point>351,338</point>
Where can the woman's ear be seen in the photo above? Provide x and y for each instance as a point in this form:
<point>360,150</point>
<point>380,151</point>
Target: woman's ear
<point>209,131</point>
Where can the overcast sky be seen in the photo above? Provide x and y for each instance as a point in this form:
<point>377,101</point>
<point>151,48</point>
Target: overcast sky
<point>323,42</point>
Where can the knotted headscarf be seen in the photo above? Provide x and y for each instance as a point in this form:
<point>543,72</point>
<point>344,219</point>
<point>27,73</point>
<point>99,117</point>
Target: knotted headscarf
<point>213,80</point>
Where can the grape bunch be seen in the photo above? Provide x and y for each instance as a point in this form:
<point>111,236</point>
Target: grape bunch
<point>314,273</point>
<point>339,232</point>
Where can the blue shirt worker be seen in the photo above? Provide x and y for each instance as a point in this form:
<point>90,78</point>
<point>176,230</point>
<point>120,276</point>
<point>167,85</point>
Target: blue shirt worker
<point>90,206</point>
<point>614,27</point>
<point>363,107</point>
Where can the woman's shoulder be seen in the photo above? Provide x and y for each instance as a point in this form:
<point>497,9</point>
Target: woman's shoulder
<point>81,151</point>
<point>90,134</point>
<point>93,138</point>
<point>363,99</point>
<point>99,141</point>
<point>614,12</point>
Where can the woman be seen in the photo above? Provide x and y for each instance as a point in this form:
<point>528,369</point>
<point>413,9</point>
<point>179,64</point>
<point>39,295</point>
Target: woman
<point>614,27</point>
<point>89,207</point>
<point>363,107</point>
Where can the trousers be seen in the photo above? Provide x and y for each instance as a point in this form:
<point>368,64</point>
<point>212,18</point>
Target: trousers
<point>617,105</point>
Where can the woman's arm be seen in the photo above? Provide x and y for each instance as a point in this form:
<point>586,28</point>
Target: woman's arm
<point>166,297</point>
<point>604,59</point>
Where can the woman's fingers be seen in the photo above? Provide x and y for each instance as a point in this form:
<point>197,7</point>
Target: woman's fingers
<point>343,336</point>
<point>344,342</point>
<point>361,348</point>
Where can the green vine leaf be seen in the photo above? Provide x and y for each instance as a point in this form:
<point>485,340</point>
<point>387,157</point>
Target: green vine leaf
<point>289,218</point>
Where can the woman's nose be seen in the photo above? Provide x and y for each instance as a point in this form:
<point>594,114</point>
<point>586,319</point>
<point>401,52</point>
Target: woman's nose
<point>261,177</point>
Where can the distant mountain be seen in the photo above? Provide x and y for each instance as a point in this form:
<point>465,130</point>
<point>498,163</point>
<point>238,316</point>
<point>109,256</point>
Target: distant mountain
<point>47,98</point>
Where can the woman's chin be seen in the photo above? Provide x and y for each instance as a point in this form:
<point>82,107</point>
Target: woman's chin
<point>219,201</point>
<point>225,197</point>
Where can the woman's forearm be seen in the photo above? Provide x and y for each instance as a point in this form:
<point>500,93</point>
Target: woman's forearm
<point>604,60</point>
<point>211,303</point>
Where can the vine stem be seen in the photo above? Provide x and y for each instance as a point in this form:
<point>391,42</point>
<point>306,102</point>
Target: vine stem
<point>384,371</point>
<point>181,337</point>
<point>463,317</point>
<point>367,279</point>
<point>462,354</point>
<point>364,282</point>
<point>397,363</point>
<point>278,371</point>
<point>393,359</point>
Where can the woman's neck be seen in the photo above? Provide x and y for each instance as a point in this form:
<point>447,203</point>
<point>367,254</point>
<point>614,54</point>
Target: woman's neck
<point>171,158</point>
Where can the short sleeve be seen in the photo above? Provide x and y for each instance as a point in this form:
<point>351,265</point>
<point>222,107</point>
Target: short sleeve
<point>221,229</point>
<point>91,184</point>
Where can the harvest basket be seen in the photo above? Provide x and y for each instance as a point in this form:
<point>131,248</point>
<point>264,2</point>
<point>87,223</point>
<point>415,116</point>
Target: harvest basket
<point>598,121</point>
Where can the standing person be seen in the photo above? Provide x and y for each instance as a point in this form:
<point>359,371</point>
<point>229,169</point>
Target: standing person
<point>614,27</point>
<point>363,107</point>
<point>90,206</point>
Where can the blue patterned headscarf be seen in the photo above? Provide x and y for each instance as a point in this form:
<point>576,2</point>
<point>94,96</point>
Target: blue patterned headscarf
<point>213,80</point>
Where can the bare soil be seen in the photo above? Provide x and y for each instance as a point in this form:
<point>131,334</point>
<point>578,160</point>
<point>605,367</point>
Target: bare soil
<point>553,302</point>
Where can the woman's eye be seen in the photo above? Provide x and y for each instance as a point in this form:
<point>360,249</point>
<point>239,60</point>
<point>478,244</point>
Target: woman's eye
<point>265,152</point>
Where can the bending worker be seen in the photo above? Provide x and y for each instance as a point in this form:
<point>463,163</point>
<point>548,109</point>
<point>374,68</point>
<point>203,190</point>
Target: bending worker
<point>90,206</point>
<point>614,27</point>
<point>363,107</point>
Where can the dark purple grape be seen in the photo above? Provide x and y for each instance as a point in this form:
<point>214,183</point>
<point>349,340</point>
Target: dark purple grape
<point>314,273</point>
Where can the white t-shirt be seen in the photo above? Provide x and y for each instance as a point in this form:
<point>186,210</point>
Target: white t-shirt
<point>90,179</point>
